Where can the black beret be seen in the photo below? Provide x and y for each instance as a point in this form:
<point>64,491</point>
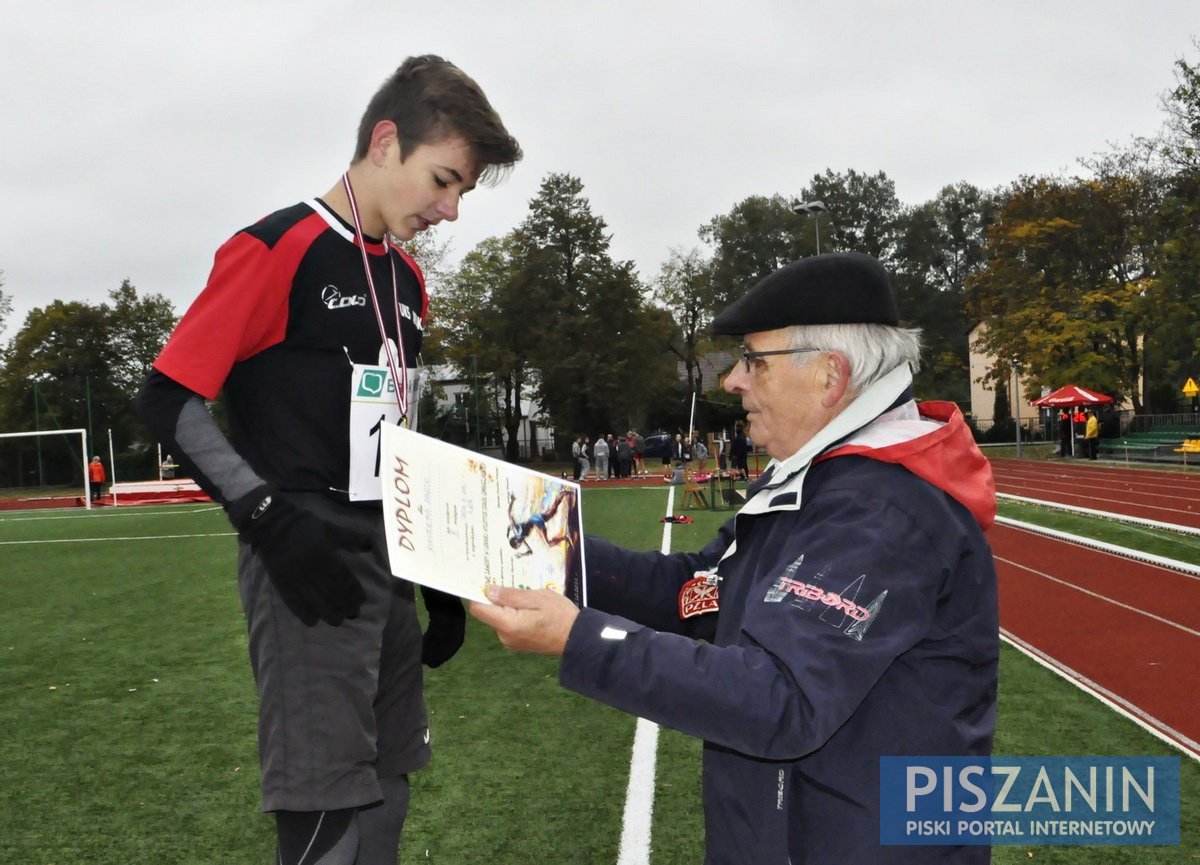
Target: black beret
<point>836,288</point>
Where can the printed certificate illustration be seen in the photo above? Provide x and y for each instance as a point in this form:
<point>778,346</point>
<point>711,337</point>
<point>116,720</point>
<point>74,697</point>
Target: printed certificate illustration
<point>457,520</point>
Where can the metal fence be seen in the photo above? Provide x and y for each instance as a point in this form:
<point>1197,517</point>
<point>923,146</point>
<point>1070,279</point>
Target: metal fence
<point>1145,423</point>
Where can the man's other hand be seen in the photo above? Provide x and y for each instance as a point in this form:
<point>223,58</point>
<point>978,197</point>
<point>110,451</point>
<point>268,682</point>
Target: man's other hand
<point>528,621</point>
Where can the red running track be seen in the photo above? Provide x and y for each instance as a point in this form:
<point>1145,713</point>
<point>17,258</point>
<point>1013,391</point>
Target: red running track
<point>1131,630</point>
<point>1154,494</point>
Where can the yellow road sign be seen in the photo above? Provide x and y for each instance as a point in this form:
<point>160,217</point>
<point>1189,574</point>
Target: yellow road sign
<point>1191,388</point>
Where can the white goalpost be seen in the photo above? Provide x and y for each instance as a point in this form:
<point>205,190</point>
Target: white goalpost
<point>83,454</point>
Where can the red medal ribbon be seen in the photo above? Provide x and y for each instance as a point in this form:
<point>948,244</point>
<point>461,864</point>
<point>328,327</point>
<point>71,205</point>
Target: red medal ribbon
<point>399,372</point>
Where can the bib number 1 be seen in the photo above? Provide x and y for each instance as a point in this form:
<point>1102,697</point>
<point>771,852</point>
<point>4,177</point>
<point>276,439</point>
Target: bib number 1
<point>372,404</point>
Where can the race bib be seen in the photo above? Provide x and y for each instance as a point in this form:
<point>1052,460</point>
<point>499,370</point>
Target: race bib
<point>372,404</point>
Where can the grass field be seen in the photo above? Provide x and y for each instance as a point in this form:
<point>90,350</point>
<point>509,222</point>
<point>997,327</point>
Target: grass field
<point>129,715</point>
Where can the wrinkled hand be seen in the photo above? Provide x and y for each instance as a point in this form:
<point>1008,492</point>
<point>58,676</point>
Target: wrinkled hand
<point>447,627</point>
<point>306,557</point>
<point>528,621</point>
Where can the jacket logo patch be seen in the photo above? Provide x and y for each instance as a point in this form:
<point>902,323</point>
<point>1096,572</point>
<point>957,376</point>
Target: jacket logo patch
<point>700,595</point>
<point>332,297</point>
<point>838,608</point>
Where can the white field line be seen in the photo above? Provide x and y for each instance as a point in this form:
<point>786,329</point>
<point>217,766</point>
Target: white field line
<point>139,511</point>
<point>639,796</point>
<point>131,538</point>
<point>1121,706</point>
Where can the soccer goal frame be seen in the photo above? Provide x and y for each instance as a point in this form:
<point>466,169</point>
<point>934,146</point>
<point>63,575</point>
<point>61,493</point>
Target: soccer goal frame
<point>83,454</point>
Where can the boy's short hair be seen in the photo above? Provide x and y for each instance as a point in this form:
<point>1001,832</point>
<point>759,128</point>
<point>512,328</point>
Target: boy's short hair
<point>430,99</point>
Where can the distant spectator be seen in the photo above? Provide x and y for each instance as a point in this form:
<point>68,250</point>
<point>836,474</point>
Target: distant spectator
<point>600,452</point>
<point>96,477</point>
<point>1091,435</point>
<point>739,450</point>
<point>624,457</point>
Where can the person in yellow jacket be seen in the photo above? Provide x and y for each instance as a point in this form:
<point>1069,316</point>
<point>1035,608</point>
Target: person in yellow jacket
<point>1091,435</point>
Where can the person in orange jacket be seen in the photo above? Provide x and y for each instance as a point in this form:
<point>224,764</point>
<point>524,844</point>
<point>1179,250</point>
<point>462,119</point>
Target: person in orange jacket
<point>96,477</point>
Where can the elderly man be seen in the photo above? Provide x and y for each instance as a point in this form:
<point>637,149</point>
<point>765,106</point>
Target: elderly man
<point>848,611</point>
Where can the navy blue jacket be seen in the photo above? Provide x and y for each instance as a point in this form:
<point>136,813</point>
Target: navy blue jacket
<point>860,625</point>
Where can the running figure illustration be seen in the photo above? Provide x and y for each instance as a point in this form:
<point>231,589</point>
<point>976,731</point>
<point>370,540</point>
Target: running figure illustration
<point>520,530</point>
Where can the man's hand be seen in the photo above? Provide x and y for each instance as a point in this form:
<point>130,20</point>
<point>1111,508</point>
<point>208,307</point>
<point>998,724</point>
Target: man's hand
<point>305,556</point>
<point>447,627</point>
<point>528,621</point>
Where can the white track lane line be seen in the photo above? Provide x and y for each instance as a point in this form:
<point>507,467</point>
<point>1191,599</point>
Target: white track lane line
<point>1143,719</point>
<point>1189,631</point>
<point>639,796</point>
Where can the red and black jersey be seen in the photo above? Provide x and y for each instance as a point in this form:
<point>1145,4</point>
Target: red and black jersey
<point>285,312</point>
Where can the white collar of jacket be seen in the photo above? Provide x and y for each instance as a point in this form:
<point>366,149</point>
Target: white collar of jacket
<point>783,491</point>
<point>784,494</point>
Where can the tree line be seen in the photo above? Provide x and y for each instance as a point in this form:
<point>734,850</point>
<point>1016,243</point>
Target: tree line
<point>1088,279</point>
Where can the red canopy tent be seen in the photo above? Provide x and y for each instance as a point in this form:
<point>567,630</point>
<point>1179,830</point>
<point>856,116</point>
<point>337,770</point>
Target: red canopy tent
<point>1070,395</point>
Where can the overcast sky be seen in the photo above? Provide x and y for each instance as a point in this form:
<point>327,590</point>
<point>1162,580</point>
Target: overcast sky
<point>137,136</point>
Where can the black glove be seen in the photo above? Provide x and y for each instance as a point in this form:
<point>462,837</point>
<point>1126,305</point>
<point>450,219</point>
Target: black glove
<point>447,627</point>
<point>305,556</point>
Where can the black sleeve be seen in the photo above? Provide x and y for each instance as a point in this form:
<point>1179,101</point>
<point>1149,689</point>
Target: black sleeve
<point>180,420</point>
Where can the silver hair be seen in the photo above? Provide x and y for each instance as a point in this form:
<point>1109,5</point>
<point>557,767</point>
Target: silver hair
<point>873,350</point>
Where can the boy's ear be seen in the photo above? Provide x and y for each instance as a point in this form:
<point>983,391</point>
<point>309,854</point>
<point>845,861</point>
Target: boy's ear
<point>382,137</point>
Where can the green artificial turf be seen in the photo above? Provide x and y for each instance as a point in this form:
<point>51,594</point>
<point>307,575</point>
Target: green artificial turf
<point>129,715</point>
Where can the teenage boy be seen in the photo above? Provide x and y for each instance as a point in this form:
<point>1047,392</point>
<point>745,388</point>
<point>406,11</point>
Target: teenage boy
<point>301,308</point>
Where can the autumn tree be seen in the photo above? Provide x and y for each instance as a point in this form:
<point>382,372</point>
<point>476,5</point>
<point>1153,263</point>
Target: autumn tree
<point>754,239</point>
<point>1180,141</point>
<point>601,351</point>
<point>1065,286</point>
<point>862,211</point>
<point>5,304</point>
<point>1173,344</point>
<point>760,234</point>
<point>139,327</point>
<point>940,245</point>
<point>78,365</point>
<point>481,323</point>
<point>684,289</point>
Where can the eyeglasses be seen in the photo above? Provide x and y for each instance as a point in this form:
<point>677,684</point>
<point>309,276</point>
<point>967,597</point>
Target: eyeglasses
<point>748,356</point>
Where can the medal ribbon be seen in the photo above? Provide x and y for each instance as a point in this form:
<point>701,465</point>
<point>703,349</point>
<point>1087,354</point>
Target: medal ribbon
<point>399,371</point>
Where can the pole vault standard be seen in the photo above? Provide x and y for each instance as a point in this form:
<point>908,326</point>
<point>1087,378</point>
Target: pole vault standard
<point>83,454</point>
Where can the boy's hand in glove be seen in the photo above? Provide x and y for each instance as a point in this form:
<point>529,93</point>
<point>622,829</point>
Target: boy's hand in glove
<point>447,627</point>
<point>305,556</point>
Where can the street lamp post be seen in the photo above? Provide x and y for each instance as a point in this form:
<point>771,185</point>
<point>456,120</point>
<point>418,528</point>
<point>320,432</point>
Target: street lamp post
<point>1016,368</point>
<point>813,209</point>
